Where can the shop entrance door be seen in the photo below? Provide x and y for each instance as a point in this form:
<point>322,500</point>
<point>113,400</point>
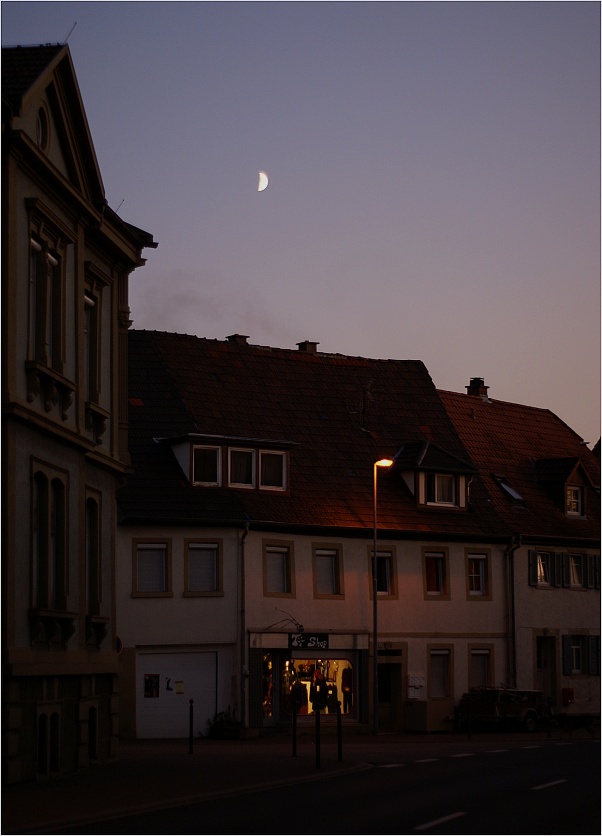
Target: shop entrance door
<point>390,703</point>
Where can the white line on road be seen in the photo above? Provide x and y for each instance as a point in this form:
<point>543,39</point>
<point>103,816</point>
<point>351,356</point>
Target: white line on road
<point>464,755</point>
<point>427,760</point>
<point>551,784</point>
<point>388,765</point>
<point>496,751</point>
<point>435,822</point>
<point>531,747</point>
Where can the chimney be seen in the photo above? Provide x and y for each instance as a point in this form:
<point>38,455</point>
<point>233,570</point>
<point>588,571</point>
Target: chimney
<point>241,339</point>
<point>477,387</point>
<point>308,346</point>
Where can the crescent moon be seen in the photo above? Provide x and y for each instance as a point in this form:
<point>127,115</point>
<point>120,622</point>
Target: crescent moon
<point>263,181</point>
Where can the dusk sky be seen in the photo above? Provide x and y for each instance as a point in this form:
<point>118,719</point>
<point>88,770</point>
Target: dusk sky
<point>434,177</point>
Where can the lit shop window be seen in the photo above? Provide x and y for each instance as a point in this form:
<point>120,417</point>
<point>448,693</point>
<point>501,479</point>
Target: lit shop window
<point>308,685</point>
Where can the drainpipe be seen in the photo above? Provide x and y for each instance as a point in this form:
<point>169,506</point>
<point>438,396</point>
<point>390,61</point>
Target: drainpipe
<point>509,551</point>
<point>243,670</point>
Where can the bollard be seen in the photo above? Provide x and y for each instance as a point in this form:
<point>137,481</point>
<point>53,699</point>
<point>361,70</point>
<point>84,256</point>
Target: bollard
<point>339,731</point>
<point>190,727</point>
<point>317,710</point>
<point>294,729</point>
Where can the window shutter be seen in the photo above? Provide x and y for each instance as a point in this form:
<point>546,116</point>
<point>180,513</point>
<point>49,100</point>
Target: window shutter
<point>566,569</point>
<point>276,570</point>
<point>326,572</point>
<point>556,568</point>
<point>532,568</point>
<point>589,571</point>
<point>567,661</point>
<point>202,568</point>
<point>151,569</point>
<point>594,655</point>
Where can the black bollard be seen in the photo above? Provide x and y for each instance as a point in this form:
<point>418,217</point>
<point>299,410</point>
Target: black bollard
<point>294,729</point>
<point>317,710</point>
<point>190,727</point>
<point>339,731</point>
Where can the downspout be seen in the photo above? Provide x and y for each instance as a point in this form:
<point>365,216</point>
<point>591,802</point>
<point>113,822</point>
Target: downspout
<point>243,669</point>
<point>509,551</point>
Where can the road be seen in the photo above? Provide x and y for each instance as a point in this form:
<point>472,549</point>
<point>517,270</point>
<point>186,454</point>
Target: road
<point>516,788</point>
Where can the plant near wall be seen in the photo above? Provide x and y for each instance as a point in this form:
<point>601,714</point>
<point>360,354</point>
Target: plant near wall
<point>224,725</point>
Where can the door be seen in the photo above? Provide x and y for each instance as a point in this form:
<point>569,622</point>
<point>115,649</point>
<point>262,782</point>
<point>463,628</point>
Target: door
<point>390,697</point>
<point>546,668</point>
<point>165,684</point>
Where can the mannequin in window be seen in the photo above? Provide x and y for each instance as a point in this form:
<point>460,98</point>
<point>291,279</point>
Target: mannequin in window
<point>347,689</point>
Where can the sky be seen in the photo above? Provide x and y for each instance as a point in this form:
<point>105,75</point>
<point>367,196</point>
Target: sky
<point>434,177</point>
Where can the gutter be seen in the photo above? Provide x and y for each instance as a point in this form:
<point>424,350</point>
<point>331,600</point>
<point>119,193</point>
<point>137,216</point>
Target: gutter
<point>514,544</point>
<point>243,667</point>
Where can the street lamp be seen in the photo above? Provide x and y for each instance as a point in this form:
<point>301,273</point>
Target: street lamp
<point>379,463</point>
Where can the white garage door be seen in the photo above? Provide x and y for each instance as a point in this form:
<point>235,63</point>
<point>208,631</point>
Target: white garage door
<point>165,684</point>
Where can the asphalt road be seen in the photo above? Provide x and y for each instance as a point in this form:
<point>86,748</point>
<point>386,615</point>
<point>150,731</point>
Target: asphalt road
<point>516,788</point>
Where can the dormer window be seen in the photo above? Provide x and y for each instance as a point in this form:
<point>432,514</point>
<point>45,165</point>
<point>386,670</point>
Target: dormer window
<point>440,489</point>
<point>206,466</point>
<point>272,470</point>
<point>241,468</point>
<point>574,500</point>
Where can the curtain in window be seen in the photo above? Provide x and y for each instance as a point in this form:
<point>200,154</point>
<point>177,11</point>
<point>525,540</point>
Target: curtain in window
<point>241,467</point>
<point>327,580</point>
<point>277,575</point>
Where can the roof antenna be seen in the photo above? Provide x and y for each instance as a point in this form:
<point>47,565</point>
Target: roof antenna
<point>70,31</point>
<point>120,205</point>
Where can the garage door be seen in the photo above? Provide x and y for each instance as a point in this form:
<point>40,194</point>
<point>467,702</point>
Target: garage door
<point>165,684</point>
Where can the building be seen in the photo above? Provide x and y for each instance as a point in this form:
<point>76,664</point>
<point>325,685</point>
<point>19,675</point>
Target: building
<point>246,537</point>
<point>544,483</point>
<point>66,260</point>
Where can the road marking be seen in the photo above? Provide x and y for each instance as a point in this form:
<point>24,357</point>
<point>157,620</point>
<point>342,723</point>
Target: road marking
<point>435,822</point>
<point>551,784</point>
<point>428,760</point>
<point>496,751</point>
<point>531,747</point>
<point>464,755</point>
<point>388,765</point>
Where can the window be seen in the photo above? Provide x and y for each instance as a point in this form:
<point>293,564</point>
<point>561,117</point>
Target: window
<point>272,470</point>
<point>203,568</point>
<point>46,305</point>
<point>93,585</point>
<point>480,667</point>
<point>152,569</point>
<point>440,489</point>
<point>477,575</point>
<point>574,500</point>
<point>576,570</point>
<point>206,465</point>
<point>327,572</point>
<point>435,574</point>
<point>242,468</point>
<point>581,655</point>
<point>386,578</point>
<point>91,346</point>
<point>49,540</point>
<point>278,573</point>
<point>439,685</point>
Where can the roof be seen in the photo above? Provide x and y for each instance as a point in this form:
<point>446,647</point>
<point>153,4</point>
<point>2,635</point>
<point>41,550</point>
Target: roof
<point>337,413</point>
<point>533,452</point>
<point>22,66</point>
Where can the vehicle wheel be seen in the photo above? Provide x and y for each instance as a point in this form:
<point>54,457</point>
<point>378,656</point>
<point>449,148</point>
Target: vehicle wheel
<point>530,722</point>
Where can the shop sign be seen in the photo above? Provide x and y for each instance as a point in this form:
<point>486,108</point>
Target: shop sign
<point>309,641</point>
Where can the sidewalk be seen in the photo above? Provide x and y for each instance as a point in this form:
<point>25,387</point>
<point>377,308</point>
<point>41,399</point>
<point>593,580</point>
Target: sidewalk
<point>153,774</point>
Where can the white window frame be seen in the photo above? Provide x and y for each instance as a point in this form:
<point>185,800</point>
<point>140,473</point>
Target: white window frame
<point>442,558</point>
<point>246,485</point>
<point>272,549</point>
<point>283,458</point>
<point>328,571</point>
<point>574,500</point>
<point>437,483</point>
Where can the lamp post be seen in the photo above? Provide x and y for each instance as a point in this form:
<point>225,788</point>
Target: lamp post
<point>379,463</point>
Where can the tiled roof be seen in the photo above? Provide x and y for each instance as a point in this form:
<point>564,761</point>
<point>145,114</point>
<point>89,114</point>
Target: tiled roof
<point>529,449</point>
<point>340,414</point>
<point>22,65</point>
